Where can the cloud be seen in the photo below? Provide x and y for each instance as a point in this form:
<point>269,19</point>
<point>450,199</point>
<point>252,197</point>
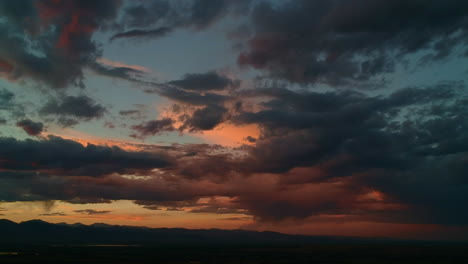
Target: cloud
<point>187,97</point>
<point>54,214</point>
<point>372,148</point>
<point>92,211</point>
<point>58,156</point>
<point>65,46</point>
<point>341,42</point>
<point>75,107</point>
<point>318,153</point>
<point>251,139</point>
<point>138,33</point>
<point>155,19</point>
<point>124,72</point>
<point>152,207</point>
<point>236,219</point>
<point>117,64</point>
<point>217,210</point>
<point>203,82</point>
<point>6,99</point>
<point>201,98</point>
<point>395,155</point>
<point>84,189</point>
<point>129,112</point>
<point>336,148</point>
<point>205,118</point>
<point>142,15</point>
<point>30,127</point>
<point>153,127</point>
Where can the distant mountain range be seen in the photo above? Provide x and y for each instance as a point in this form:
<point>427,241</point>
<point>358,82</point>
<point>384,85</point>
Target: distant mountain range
<point>40,232</point>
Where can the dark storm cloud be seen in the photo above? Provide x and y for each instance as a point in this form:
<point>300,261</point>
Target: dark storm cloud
<point>201,93</point>
<point>143,15</point>
<point>416,158</point>
<point>251,139</point>
<point>197,88</point>
<point>348,146</point>
<point>58,156</point>
<point>399,157</point>
<point>205,12</point>
<point>394,158</point>
<point>18,11</point>
<point>92,211</point>
<point>95,190</point>
<point>189,97</point>
<point>155,19</point>
<point>362,142</point>
<point>30,127</point>
<point>336,42</point>
<point>203,82</point>
<point>153,127</point>
<point>73,107</point>
<point>303,128</point>
<point>205,118</point>
<point>51,41</point>
<point>331,150</point>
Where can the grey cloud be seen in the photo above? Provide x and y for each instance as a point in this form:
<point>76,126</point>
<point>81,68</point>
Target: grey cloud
<point>54,214</point>
<point>157,18</point>
<point>203,82</point>
<point>153,127</point>
<point>206,118</point>
<point>92,211</point>
<point>30,127</point>
<point>73,107</point>
<point>341,42</point>
<point>138,33</point>
<point>57,57</point>
<point>58,156</point>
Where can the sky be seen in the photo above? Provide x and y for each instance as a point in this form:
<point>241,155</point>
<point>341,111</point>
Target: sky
<point>317,117</point>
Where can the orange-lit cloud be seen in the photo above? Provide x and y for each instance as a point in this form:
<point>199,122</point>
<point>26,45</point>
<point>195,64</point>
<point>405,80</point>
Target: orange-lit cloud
<point>230,135</point>
<point>121,64</point>
<point>86,138</point>
<point>225,134</point>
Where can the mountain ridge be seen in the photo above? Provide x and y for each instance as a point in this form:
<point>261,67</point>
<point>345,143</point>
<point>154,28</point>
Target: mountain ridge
<point>40,232</point>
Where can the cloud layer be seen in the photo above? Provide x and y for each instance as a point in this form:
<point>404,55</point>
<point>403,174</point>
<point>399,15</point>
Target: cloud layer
<point>327,146</point>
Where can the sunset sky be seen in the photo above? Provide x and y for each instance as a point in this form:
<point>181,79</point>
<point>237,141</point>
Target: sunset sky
<point>320,117</point>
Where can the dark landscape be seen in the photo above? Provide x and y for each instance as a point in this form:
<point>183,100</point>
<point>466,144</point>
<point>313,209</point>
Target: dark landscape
<point>37,241</point>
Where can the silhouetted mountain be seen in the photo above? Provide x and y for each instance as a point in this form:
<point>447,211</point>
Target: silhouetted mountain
<point>40,232</point>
